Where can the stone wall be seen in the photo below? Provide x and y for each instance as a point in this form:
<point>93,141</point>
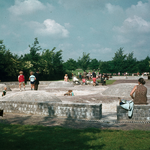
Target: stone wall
<point>74,111</point>
<point>140,113</point>
<point>128,77</point>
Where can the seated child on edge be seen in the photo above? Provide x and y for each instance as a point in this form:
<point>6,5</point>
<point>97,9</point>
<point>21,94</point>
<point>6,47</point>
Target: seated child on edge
<point>69,93</point>
<point>4,91</point>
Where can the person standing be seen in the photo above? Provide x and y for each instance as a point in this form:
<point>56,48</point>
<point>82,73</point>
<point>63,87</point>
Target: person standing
<point>21,80</point>
<point>36,83</point>
<point>32,79</point>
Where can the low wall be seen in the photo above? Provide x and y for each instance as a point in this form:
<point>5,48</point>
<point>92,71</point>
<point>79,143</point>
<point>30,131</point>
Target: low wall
<point>74,111</point>
<point>28,83</point>
<point>140,113</point>
<point>128,77</point>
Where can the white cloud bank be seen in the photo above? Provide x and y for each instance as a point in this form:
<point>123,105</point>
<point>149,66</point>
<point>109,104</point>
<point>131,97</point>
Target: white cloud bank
<point>135,24</point>
<point>25,7</point>
<point>50,28</point>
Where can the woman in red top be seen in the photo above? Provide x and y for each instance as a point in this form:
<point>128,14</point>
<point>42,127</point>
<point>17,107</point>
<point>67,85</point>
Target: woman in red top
<point>21,79</point>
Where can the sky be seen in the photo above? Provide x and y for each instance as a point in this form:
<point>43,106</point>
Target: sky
<point>98,27</point>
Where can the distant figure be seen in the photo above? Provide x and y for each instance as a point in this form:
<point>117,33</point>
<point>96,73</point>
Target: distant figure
<point>94,78</point>
<point>140,93</point>
<point>84,74</point>
<point>84,81</point>
<point>75,80</point>
<point>4,91</point>
<point>21,79</point>
<point>69,93</point>
<point>32,79</point>
<point>36,83</point>
<point>66,78</point>
<point>103,80</point>
<point>80,76</point>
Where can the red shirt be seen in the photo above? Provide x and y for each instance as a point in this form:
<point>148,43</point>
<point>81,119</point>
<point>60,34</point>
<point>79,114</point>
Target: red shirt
<point>21,78</point>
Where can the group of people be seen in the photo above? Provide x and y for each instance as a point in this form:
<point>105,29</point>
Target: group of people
<point>34,80</point>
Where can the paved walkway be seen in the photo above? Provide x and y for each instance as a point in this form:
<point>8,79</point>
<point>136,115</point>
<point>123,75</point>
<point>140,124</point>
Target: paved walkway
<point>107,122</point>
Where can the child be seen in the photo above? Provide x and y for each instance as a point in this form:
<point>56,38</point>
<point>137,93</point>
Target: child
<point>94,79</point>
<point>21,79</point>
<point>83,81</point>
<point>66,78</point>
<point>4,91</point>
<point>69,93</point>
<point>32,79</point>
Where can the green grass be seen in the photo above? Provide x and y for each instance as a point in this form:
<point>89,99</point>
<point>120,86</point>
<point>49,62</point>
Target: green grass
<point>25,137</point>
<point>109,82</point>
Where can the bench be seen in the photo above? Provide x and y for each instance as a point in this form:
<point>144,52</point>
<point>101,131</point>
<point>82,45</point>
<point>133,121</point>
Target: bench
<point>140,113</point>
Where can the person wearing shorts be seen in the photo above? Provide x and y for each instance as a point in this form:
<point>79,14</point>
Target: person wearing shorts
<point>32,79</point>
<point>21,80</point>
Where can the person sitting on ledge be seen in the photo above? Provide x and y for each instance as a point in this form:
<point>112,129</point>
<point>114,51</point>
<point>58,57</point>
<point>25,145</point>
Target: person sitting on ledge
<point>140,93</point>
<point>69,93</point>
<point>4,91</point>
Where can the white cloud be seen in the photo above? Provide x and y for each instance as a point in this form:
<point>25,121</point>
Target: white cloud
<point>26,7</point>
<point>113,8</point>
<point>135,24</point>
<point>49,28</point>
<point>141,10</point>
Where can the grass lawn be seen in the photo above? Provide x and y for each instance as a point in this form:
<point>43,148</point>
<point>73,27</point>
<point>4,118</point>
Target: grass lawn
<point>110,81</point>
<point>25,137</point>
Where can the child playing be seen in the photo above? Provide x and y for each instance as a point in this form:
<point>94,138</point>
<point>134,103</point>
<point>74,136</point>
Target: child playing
<point>94,79</point>
<point>21,79</point>
<point>4,91</point>
<point>32,79</point>
<point>69,93</point>
<point>66,78</point>
<point>83,81</point>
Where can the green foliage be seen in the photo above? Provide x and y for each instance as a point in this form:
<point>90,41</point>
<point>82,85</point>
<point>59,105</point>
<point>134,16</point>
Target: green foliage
<point>70,64</point>
<point>52,67</point>
<point>94,64</point>
<point>84,61</point>
<point>8,64</point>
<point>51,64</point>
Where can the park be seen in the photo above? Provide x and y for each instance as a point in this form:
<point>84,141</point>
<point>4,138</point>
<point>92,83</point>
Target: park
<point>91,110</point>
<point>91,119</point>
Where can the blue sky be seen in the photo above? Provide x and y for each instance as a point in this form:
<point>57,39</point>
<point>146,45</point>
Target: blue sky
<point>98,27</point>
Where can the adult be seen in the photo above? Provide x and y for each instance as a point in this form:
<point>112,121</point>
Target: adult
<point>103,80</point>
<point>84,74</point>
<point>140,93</point>
<point>36,83</point>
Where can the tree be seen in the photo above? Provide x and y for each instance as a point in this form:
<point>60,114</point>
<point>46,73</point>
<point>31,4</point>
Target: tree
<point>131,63</point>
<point>94,64</point>
<point>143,65</point>
<point>34,56</point>
<point>119,61</point>
<point>52,64</point>
<point>84,61</point>
<point>9,65</point>
<point>70,64</point>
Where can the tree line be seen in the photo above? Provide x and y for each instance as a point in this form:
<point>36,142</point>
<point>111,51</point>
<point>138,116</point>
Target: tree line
<point>52,67</point>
